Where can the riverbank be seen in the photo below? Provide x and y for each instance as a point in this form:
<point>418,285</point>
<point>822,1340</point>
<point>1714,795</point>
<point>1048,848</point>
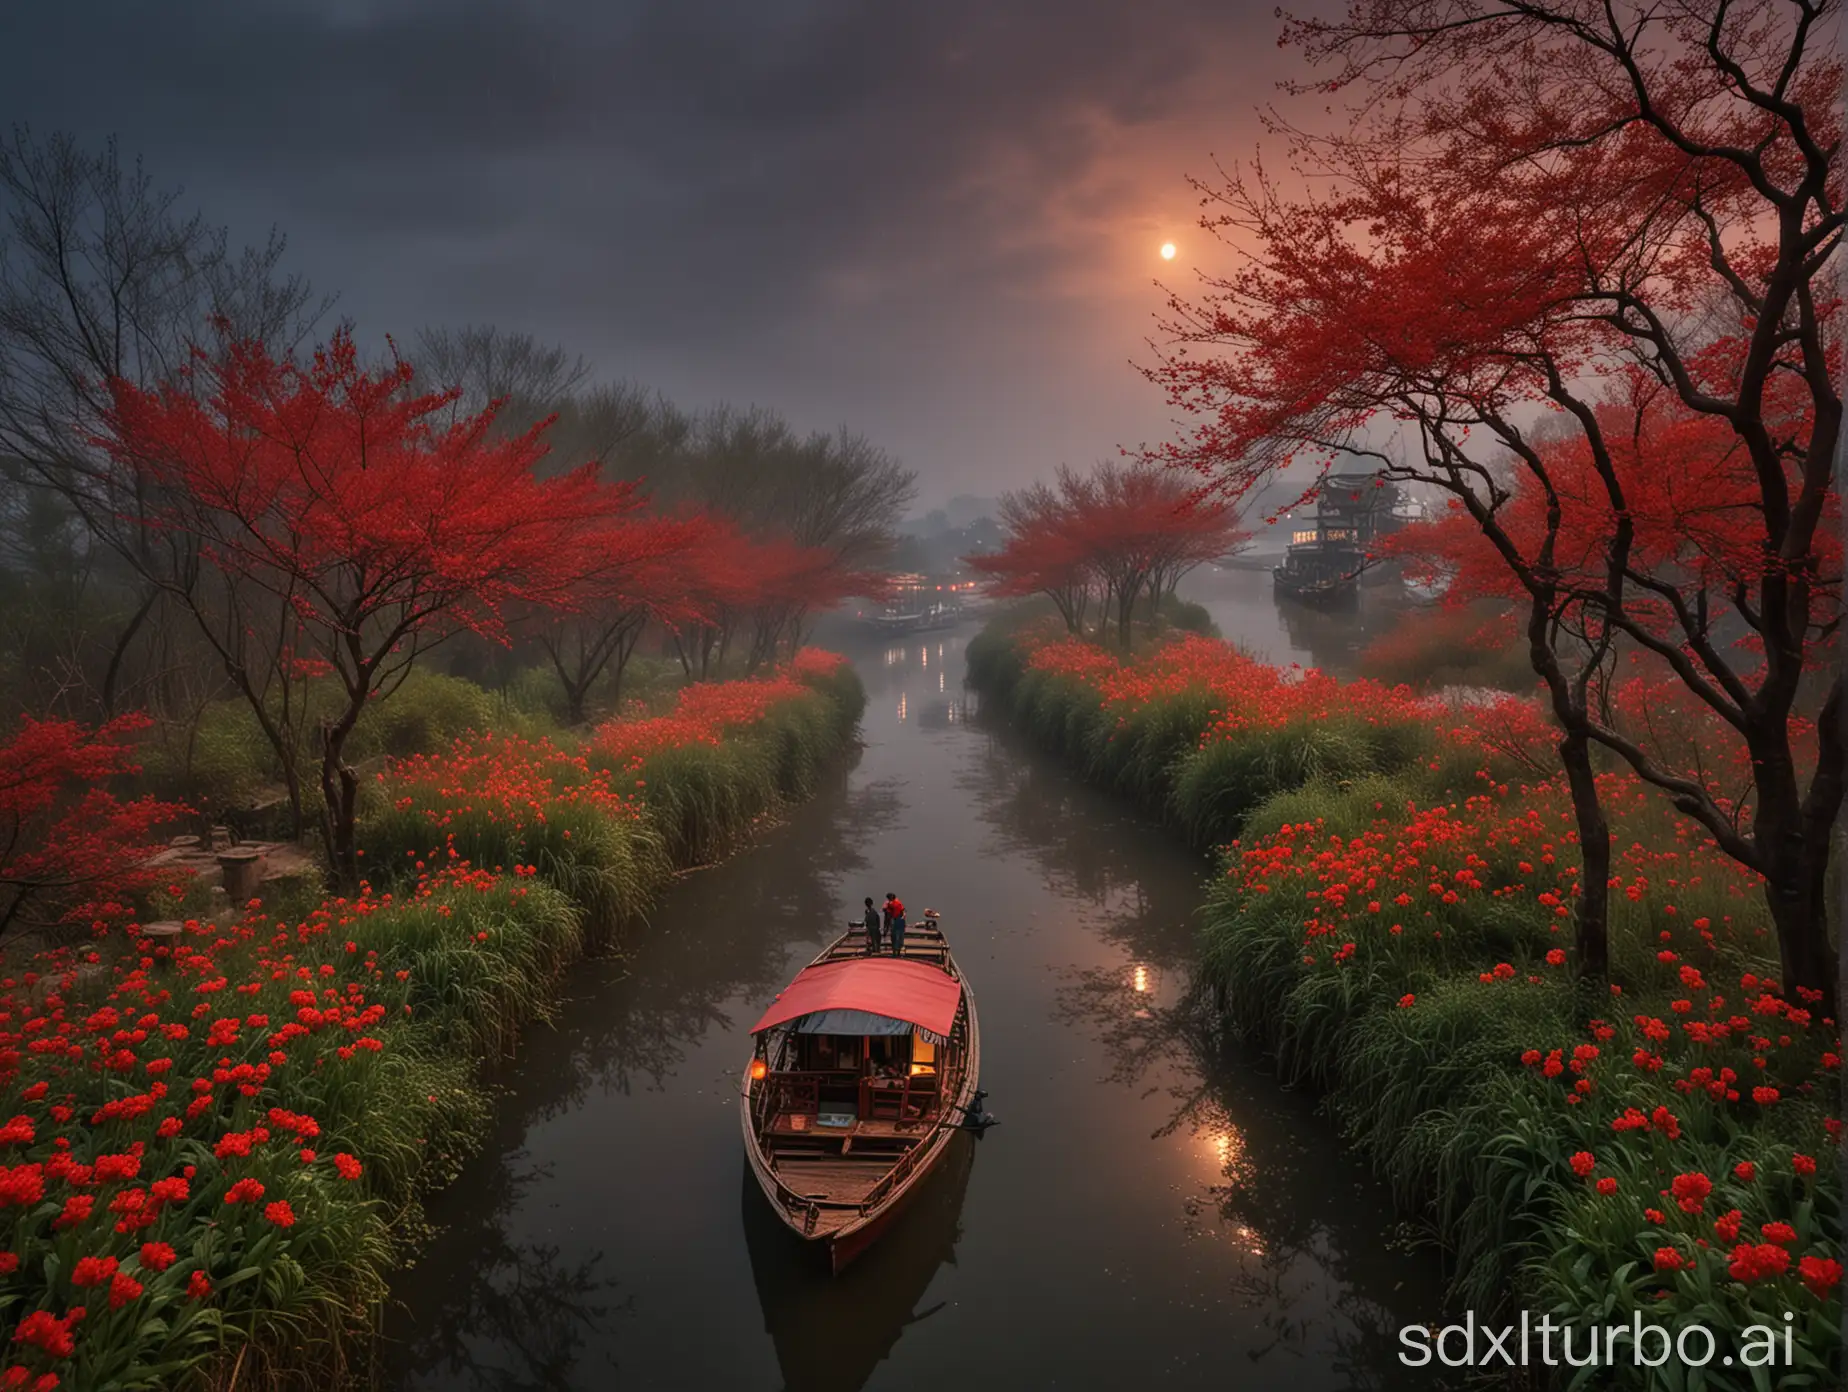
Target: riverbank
<point>218,1145</point>
<point>1391,920</point>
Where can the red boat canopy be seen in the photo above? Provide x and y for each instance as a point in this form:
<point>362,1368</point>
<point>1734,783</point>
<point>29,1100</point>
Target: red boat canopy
<point>915,992</point>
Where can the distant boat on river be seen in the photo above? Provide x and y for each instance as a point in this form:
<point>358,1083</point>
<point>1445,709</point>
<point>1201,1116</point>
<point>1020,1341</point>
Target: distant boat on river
<point>921,620</point>
<point>1328,557</point>
<point>863,1070</point>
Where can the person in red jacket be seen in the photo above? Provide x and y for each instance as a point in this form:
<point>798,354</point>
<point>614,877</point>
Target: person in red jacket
<point>895,924</point>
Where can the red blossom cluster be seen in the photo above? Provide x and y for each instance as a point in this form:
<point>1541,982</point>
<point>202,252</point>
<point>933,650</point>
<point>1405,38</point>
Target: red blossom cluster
<point>70,850</point>
<point>151,1096</point>
<point>704,711</point>
<point>1247,694</point>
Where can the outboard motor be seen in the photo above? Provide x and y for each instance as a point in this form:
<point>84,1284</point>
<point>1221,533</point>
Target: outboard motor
<point>976,1118</point>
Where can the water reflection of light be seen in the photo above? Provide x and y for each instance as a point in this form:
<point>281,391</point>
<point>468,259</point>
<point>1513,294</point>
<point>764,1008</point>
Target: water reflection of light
<point>1230,1162</point>
<point>939,681</point>
<point>924,656</point>
<point>1142,980</point>
<point>901,705</point>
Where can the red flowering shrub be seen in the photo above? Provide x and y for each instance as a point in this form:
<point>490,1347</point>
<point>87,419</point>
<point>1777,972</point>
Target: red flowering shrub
<point>1393,921</point>
<point>71,851</point>
<point>163,1092</point>
<point>238,1094</point>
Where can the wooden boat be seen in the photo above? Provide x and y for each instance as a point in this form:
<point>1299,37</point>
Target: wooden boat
<point>863,1069</point>
<point>925,620</point>
<point>1324,587</point>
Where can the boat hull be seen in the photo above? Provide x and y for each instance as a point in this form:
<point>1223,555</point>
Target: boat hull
<point>1319,593</point>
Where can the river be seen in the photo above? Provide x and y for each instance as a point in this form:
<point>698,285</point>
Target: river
<point>1152,1212</point>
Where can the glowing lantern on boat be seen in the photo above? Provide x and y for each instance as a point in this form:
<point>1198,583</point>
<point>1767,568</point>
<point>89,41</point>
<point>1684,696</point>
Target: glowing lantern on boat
<point>758,1069</point>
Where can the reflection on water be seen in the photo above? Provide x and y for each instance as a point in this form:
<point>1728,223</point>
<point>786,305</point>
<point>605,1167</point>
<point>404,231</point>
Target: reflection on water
<point>830,1332</point>
<point>519,1315</point>
<point>1153,1212</point>
<point>1243,605</point>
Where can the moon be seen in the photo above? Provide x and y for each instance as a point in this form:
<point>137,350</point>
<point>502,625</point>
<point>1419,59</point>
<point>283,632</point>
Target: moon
<point>1167,251</point>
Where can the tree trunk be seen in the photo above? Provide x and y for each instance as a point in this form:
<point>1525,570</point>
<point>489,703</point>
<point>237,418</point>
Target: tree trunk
<point>118,654</point>
<point>340,799</point>
<point>1126,612</point>
<point>1796,870</point>
<point>1594,834</point>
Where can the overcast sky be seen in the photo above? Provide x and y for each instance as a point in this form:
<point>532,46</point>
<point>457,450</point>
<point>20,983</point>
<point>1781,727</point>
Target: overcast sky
<point>936,223</point>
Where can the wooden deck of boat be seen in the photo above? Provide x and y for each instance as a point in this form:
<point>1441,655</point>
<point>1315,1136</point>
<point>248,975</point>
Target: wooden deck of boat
<point>864,1128</point>
<point>920,946</point>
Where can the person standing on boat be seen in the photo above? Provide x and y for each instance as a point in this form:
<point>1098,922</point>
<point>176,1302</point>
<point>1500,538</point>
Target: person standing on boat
<point>872,929</point>
<point>895,923</point>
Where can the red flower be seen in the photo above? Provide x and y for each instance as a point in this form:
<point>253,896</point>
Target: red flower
<point>114,1167</point>
<point>1556,958</point>
<point>1406,1000</point>
<point>19,1378</point>
<point>1726,1226</point>
<point>244,1191</point>
<point>1746,1171</point>
<point>1584,1163</point>
<point>76,1209</point>
<point>1669,1259</point>
<point>45,1330</point>
<point>1820,1274</point>
<point>92,1271</point>
<point>1804,1165</point>
<point>1691,1190</point>
<point>1756,1262</point>
<point>9,1263</point>
<point>123,1289</point>
<point>197,1286</point>
<point>280,1213</point>
<point>157,1256</point>
<point>1656,1216</point>
<point>349,1167</point>
<point>1607,1186</point>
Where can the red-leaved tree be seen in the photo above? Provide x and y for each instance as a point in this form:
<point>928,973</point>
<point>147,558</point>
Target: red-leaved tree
<point>629,569</point>
<point>760,590</point>
<point>1113,536</point>
<point>361,511</point>
<point>1616,219</point>
<point>70,850</point>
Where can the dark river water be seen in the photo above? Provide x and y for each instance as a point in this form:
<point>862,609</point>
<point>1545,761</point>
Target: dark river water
<point>1152,1212</point>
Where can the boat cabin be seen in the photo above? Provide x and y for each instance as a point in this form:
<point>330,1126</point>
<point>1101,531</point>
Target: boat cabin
<point>855,1054</point>
<point>836,1080</point>
<point>1327,555</point>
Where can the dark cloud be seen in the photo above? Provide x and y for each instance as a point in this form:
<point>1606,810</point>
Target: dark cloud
<point>934,222</point>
